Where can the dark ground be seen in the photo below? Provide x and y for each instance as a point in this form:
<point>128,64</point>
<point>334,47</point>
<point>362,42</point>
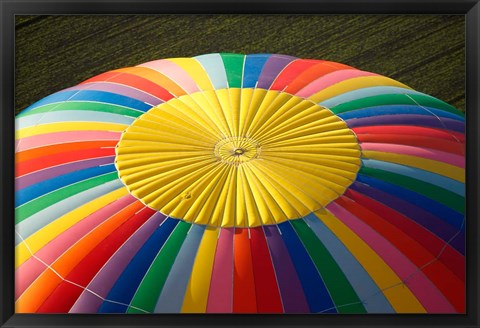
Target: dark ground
<point>426,52</point>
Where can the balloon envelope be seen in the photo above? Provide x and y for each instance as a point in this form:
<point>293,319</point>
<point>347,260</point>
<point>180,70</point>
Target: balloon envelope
<point>229,183</point>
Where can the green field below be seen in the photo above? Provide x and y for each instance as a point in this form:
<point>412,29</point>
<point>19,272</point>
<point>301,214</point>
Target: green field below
<point>426,52</point>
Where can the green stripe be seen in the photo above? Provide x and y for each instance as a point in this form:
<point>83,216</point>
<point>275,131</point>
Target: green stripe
<point>234,67</point>
<point>149,290</point>
<point>24,211</point>
<point>443,196</point>
<point>83,105</point>
<point>395,99</point>
<point>342,293</point>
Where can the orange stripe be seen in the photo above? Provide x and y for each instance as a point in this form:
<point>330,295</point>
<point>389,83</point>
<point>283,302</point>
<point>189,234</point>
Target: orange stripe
<point>62,148</point>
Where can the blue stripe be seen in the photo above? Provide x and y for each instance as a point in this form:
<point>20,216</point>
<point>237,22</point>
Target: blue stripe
<point>173,292</point>
<point>126,285</point>
<point>213,65</point>
<point>53,98</point>
<point>317,295</point>
<point>367,290</point>
<point>253,67</point>
<point>441,211</point>
<point>398,109</point>
<point>94,96</point>
<point>27,194</point>
<point>413,172</point>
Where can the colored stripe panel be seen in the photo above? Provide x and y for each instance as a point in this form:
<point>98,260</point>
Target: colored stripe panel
<point>374,235</point>
<point>398,109</point>
<point>28,180</point>
<point>126,285</point>
<point>173,292</point>
<point>149,290</point>
<point>455,219</point>
<point>253,67</point>
<point>343,295</point>
<point>401,298</point>
<point>98,289</point>
<point>395,99</point>
<point>234,68</point>
<point>66,293</point>
<point>196,295</point>
<point>32,268</point>
<point>430,222</point>
<point>274,65</point>
<point>291,291</point>
<point>438,194</point>
<point>32,299</point>
<point>220,296</point>
<point>47,186</point>
<point>244,298</point>
<point>266,289</point>
<point>317,295</point>
<point>371,297</point>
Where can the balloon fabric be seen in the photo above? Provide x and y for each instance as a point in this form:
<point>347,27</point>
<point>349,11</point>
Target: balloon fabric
<point>229,183</point>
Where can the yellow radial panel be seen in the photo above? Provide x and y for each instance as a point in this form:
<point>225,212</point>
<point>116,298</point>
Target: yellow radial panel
<point>238,157</point>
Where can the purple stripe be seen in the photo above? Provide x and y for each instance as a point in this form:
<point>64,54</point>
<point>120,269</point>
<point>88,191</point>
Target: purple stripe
<point>52,172</point>
<point>274,65</point>
<point>432,223</point>
<point>293,298</point>
<point>108,275</point>
<point>417,120</point>
<point>119,89</point>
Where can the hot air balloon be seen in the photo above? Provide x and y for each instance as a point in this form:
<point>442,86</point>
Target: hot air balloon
<point>229,183</point>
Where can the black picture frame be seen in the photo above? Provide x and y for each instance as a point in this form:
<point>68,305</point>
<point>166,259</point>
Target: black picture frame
<point>10,8</point>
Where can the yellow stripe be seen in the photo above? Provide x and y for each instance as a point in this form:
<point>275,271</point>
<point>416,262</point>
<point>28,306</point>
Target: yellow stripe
<point>354,84</point>
<point>43,236</point>
<point>398,294</point>
<point>195,71</point>
<point>196,295</point>
<point>64,126</point>
<point>451,171</point>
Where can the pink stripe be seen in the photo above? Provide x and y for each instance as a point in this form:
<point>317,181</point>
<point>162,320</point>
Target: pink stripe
<point>174,72</point>
<point>329,80</point>
<point>436,155</point>
<point>26,274</point>
<point>64,137</point>
<point>220,296</point>
<point>428,295</point>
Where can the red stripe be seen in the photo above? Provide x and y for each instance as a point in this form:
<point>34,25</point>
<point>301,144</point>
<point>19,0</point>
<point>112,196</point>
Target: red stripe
<point>266,288</point>
<point>62,158</point>
<point>448,146</point>
<point>134,81</point>
<point>410,130</point>
<point>243,279</point>
<point>66,294</point>
<point>291,72</point>
<point>313,73</point>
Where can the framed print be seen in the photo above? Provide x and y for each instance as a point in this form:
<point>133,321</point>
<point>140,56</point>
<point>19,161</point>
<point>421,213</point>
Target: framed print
<point>229,163</point>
